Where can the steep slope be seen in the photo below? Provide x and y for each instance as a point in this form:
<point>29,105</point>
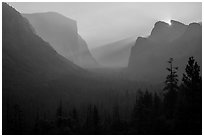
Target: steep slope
<point>114,55</point>
<point>61,33</point>
<point>25,55</point>
<point>149,56</point>
<point>29,64</point>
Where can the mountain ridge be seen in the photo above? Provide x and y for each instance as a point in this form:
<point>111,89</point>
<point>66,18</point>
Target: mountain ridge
<point>62,34</point>
<point>24,52</point>
<point>149,54</point>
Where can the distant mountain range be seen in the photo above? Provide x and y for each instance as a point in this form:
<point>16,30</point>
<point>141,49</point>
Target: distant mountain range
<point>114,55</point>
<point>25,56</point>
<point>176,40</point>
<point>32,69</point>
<point>62,34</point>
<point>149,56</point>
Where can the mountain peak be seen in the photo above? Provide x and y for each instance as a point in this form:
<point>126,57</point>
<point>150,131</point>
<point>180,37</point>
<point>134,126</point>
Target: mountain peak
<point>165,24</point>
<point>30,54</point>
<point>176,40</point>
<point>62,34</point>
<point>174,22</point>
<point>166,32</point>
<point>160,24</point>
<point>53,14</point>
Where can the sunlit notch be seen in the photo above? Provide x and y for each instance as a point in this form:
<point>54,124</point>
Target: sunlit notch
<point>169,22</point>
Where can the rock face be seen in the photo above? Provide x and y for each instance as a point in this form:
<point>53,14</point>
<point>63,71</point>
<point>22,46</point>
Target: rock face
<point>167,33</point>
<point>61,33</point>
<point>149,56</point>
<point>25,55</point>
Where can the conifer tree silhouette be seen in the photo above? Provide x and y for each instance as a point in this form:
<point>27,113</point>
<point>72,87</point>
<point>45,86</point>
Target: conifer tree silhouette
<point>189,117</point>
<point>192,81</point>
<point>171,86</point>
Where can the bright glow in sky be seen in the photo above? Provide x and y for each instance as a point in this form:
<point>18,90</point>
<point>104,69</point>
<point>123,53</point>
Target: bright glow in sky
<point>102,23</point>
<point>168,21</point>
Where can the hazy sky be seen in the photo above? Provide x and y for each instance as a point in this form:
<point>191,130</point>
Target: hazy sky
<point>101,23</point>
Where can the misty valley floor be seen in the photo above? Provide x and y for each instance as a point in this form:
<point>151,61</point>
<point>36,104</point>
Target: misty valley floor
<point>103,105</point>
<point>47,92</point>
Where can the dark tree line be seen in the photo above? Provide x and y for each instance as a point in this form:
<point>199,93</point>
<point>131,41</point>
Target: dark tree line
<point>178,110</point>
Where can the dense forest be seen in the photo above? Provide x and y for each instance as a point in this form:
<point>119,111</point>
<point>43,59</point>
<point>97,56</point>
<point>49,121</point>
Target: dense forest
<point>45,93</point>
<point>175,110</point>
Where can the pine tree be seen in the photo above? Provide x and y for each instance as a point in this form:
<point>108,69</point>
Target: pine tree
<point>143,113</point>
<point>189,117</point>
<point>171,83</point>
<point>171,86</point>
<point>192,81</point>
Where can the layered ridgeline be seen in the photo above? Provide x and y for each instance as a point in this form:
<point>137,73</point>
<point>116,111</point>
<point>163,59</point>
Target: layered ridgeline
<point>61,32</point>
<point>35,77</point>
<point>28,64</point>
<point>149,56</point>
<point>115,54</point>
<point>26,54</point>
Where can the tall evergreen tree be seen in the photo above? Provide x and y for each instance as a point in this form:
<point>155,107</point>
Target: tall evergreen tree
<point>171,86</point>
<point>189,115</point>
<point>192,81</point>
